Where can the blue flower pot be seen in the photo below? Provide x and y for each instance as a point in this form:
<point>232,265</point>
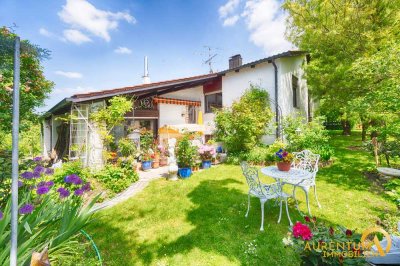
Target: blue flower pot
<point>184,172</point>
<point>206,164</point>
<point>146,165</point>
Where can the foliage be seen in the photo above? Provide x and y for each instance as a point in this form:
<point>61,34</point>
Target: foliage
<point>241,127</point>
<point>127,147</point>
<point>313,238</point>
<point>355,55</point>
<point>206,152</point>
<point>34,86</point>
<point>185,151</point>
<point>117,178</point>
<point>146,140</point>
<point>49,215</point>
<point>283,156</point>
<point>310,135</point>
<point>111,116</point>
<point>69,168</point>
<point>258,155</point>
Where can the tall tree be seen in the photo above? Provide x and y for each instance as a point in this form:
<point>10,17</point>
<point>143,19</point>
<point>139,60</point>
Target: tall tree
<point>34,85</point>
<point>341,35</point>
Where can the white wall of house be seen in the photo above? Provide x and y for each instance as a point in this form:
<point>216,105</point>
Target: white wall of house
<point>46,138</point>
<point>287,67</point>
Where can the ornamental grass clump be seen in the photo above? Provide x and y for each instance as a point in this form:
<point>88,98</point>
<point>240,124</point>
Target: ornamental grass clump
<point>49,215</point>
<point>318,244</point>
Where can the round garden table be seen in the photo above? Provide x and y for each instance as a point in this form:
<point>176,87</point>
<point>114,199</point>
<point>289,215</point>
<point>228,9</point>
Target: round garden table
<point>293,176</point>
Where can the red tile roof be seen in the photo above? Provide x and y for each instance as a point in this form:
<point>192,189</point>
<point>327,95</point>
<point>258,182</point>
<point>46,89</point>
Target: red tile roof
<point>142,87</point>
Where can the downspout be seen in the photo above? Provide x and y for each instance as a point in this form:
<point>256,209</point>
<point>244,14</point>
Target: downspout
<point>278,125</point>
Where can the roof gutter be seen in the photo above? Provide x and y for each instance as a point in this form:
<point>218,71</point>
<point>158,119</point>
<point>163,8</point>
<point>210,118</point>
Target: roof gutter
<point>278,125</point>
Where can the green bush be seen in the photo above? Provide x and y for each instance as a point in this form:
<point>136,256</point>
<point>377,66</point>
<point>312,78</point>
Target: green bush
<point>241,127</point>
<point>392,189</point>
<point>302,135</point>
<point>69,168</point>
<point>186,153</point>
<point>258,155</point>
<point>127,147</point>
<point>116,178</point>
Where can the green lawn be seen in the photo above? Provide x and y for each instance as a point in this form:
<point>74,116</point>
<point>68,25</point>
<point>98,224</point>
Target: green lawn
<point>201,221</point>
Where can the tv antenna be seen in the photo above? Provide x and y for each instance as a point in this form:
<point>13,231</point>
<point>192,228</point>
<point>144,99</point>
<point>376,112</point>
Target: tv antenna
<point>210,58</point>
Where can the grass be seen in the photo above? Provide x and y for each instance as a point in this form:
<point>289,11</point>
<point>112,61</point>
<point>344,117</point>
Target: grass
<point>200,221</point>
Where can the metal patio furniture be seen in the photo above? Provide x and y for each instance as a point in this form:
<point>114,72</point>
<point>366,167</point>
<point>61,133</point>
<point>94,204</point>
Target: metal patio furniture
<point>306,161</point>
<point>263,192</point>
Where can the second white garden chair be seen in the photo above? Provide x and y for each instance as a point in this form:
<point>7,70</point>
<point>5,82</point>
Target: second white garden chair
<point>307,161</point>
<point>264,192</point>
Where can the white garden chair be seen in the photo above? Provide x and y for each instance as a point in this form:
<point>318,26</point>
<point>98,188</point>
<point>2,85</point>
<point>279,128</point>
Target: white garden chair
<point>264,192</point>
<point>307,161</point>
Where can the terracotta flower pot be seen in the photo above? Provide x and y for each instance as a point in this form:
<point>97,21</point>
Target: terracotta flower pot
<point>155,164</point>
<point>163,161</point>
<point>283,166</point>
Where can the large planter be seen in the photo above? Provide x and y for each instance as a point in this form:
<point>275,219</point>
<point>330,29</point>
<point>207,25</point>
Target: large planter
<point>185,172</point>
<point>155,164</point>
<point>283,166</point>
<point>206,164</point>
<point>146,165</point>
<point>163,161</point>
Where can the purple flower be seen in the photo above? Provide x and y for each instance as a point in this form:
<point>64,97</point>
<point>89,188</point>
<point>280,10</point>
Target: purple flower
<point>36,174</point>
<point>39,169</point>
<point>42,190</point>
<point>49,171</point>
<point>50,183</point>
<point>73,179</point>
<point>27,175</point>
<point>20,183</point>
<point>1,215</point>
<point>63,192</point>
<point>37,159</point>
<point>26,209</point>
<point>86,186</point>
<point>78,192</point>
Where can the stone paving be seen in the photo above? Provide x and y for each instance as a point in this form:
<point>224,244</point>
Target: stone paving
<point>144,180</point>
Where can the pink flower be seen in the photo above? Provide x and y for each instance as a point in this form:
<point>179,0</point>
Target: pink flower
<point>302,230</point>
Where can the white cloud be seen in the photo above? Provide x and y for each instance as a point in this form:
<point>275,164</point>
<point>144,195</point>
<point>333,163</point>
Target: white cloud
<point>228,8</point>
<point>70,75</point>
<point>70,91</point>
<point>123,50</point>
<point>230,21</point>
<point>75,36</point>
<point>44,32</point>
<point>80,14</point>
<point>266,22</point>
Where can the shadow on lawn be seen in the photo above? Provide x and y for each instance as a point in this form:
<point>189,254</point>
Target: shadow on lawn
<point>220,226</point>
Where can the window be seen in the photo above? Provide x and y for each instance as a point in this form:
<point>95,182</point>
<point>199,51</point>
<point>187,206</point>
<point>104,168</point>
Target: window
<point>192,114</point>
<point>295,89</point>
<point>213,101</point>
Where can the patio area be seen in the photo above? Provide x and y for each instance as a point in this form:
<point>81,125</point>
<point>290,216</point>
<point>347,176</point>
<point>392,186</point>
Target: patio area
<point>200,221</point>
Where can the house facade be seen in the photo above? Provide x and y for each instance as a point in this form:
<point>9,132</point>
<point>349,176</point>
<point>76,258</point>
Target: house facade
<point>178,103</point>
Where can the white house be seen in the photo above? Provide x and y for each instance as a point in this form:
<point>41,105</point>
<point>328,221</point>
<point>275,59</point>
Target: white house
<point>178,103</point>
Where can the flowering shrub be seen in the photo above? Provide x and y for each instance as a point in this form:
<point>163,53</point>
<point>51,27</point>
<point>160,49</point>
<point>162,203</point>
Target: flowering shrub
<point>318,244</point>
<point>49,214</point>
<point>206,152</point>
<point>284,156</point>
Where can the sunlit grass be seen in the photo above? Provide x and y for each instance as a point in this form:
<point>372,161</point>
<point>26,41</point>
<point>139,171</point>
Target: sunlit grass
<point>200,221</point>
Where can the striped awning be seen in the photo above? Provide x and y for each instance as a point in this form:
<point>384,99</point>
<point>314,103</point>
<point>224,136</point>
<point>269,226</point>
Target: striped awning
<point>176,101</point>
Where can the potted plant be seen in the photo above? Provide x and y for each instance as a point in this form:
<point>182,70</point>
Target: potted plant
<point>163,155</point>
<point>185,154</point>
<point>155,159</point>
<point>206,153</point>
<point>146,160</point>
<point>284,160</point>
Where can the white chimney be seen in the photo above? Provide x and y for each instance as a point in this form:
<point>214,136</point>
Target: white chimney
<point>146,78</point>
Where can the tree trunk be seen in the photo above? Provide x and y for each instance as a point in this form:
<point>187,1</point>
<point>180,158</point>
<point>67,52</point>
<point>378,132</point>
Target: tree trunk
<point>376,155</point>
<point>364,128</point>
<point>346,127</point>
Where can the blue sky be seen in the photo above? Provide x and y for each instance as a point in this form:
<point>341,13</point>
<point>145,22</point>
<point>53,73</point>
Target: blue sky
<point>100,45</point>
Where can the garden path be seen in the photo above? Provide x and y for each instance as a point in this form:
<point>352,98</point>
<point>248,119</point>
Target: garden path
<point>144,180</point>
